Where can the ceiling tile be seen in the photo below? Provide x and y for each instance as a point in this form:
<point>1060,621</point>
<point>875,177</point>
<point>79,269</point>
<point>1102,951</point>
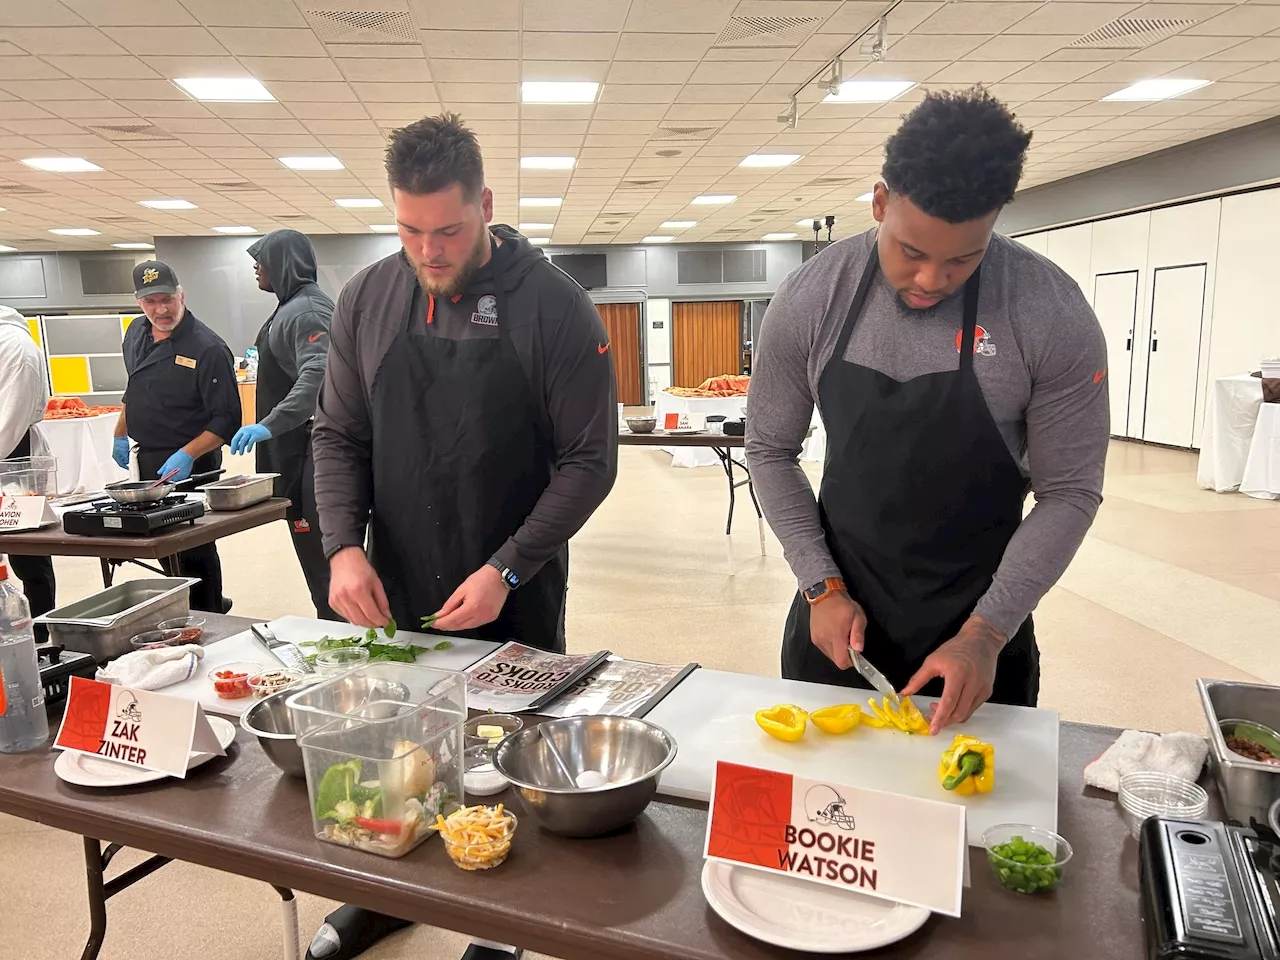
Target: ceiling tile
<point>1019,47</point>
<point>48,89</point>
<point>27,68</point>
<point>979,16</point>
<point>389,71</point>
<point>1264,73</point>
<point>265,41</point>
<point>467,44</point>
<point>1185,48</point>
<point>475,71</point>
<point>387,112</point>
<point>1131,71</point>
<point>663,46</point>
<point>594,70</point>
<point>1053,72</point>
<point>91,110</point>
<point>329,111</point>
<point>268,69</point>
<point>678,16</point>
<point>476,111</point>
<point>443,15</point>
<point>167,41</point>
<point>1217,69</point>
<point>37,15</point>
<point>399,92</point>
<point>131,13</point>
<point>897,70</point>
<point>936,48</point>
<point>1263,49</point>
<point>976,71</point>
<point>714,93</point>
<point>249,13</point>
<point>1068,16</point>
<point>1246,20</point>
<point>639,93</point>
<point>465,92</point>
<point>84,40</point>
<point>568,47</point>
<point>82,68</point>
<point>598,15</point>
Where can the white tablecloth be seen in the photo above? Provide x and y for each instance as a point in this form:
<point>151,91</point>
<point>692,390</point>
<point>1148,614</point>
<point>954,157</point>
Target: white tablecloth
<point>1228,432</point>
<point>82,448</point>
<point>1262,469</point>
<point>815,448</point>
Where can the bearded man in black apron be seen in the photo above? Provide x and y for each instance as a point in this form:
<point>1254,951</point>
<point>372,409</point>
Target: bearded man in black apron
<point>292,345</point>
<point>954,370</point>
<point>467,423</point>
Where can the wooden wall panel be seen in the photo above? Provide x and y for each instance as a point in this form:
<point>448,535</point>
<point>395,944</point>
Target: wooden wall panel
<point>706,340</point>
<point>622,321</point>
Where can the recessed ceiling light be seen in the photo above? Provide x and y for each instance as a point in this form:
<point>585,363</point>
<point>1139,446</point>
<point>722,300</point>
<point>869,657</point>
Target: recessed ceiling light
<point>539,241</point>
<point>167,204</point>
<point>778,236</point>
<point>4,249</point>
<point>715,198</point>
<point>75,232</point>
<point>536,226</point>
<point>539,201</point>
<point>658,239</point>
<point>558,91</point>
<point>134,246</point>
<point>769,159</point>
<point>359,202</point>
<point>678,224</point>
<point>311,163</point>
<point>236,229</point>
<point>62,164</point>
<point>867,197</point>
<point>383,227</point>
<point>225,89</point>
<point>1161,89</point>
<point>546,163</point>
<point>869,91</point>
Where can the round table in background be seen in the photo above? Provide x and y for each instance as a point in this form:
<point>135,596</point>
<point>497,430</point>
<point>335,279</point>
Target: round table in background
<point>1261,476</point>
<point>82,447</point>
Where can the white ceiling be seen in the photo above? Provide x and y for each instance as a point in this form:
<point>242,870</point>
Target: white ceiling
<point>70,68</point>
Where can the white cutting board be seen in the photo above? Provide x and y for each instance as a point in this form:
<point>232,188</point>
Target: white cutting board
<point>712,717</point>
<point>245,646</point>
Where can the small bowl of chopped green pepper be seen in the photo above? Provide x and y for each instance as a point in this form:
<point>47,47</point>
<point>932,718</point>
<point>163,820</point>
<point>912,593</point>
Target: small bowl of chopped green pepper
<point>1026,859</point>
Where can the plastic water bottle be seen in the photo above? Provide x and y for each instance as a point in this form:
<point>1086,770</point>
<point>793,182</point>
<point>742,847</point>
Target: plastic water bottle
<point>23,723</point>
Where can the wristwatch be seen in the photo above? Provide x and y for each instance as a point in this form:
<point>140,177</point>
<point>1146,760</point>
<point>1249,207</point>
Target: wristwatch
<point>509,576</point>
<point>821,591</point>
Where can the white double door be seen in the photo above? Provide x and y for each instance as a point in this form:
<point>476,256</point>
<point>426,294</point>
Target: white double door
<point>1153,305</point>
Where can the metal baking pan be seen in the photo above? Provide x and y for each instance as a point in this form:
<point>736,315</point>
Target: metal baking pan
<point>1248,787</point>
<point>102,623</point>
<point>236,493</point>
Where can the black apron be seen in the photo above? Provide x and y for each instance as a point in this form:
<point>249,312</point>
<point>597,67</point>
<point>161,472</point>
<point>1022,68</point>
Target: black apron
<point>285,454</point>
<point>919,498</point>
<point>460,457</point>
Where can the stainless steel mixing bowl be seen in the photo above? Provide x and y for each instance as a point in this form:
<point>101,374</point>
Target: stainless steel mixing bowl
<point>269,720</point>
<point>631,753</point>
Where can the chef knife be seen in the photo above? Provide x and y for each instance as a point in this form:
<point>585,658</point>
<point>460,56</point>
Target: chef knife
<point>873,676</point>
<point>286,653</point>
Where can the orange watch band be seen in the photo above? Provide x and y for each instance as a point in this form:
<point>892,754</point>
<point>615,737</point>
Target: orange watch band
<point>832,584</point>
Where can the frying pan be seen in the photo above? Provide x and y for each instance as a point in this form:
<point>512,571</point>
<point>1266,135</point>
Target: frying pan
<point>148,491</point>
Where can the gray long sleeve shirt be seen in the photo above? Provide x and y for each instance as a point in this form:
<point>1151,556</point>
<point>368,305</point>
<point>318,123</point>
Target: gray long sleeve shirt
<point>1041,368</point>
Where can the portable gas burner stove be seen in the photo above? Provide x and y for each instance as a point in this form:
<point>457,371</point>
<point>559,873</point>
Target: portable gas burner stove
<point>1209,890</point>
<point>108,518</point>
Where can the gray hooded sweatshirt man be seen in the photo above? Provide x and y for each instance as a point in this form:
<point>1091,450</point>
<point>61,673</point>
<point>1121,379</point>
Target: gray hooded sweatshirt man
<point>292,347</point>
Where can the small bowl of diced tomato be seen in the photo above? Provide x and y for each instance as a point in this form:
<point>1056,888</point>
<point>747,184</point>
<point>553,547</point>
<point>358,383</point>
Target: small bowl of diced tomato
<point>231,680</point>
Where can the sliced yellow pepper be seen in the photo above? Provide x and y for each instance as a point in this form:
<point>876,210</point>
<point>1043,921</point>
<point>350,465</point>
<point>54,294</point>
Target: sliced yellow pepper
<point>917,722</point>
<point>785,721</point>
<point>838,719</point>
<point>871,720</point>
<point>879,713</point>
<point>968,766</point>
<point>905,716</point>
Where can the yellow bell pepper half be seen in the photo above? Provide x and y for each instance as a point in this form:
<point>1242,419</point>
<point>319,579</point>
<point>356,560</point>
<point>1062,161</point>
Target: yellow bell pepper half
<point>785,721</point>
<point>838,719</point>
<point>968,766</point>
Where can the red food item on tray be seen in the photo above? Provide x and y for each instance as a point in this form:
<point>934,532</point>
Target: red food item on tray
<point>231,684</point>
<point>73,408</point>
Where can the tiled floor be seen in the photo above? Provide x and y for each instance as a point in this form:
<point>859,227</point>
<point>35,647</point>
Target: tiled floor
<point>1173,583</point>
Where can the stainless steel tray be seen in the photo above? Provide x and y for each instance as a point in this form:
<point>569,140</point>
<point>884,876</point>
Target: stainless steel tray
<point>102,623</point>
<point>1248,788</point>
<point>236,493</point>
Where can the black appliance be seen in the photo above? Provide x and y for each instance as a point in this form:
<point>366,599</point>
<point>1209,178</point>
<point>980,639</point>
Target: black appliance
<point>106,518</point>
<point>57,667</point>
<point>1209,890</point>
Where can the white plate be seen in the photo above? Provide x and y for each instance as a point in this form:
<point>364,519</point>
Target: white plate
<point>802,915</point>
<point>88,771</point>
<point>682,433</point>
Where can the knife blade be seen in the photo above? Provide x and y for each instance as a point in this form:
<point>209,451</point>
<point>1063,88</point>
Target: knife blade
<point>874,676</point>
<point>286,653</point>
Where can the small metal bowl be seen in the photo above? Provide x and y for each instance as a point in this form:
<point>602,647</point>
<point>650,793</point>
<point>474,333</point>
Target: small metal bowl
<point>641,424</point>
<point>270,721</point>
<point>631,753</point>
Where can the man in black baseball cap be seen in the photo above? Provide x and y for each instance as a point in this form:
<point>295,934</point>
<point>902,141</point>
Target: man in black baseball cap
<point>180,406</point>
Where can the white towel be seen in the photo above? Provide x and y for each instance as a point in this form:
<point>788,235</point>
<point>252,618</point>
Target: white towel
<point>1179,754</point>
<point>155,668</point>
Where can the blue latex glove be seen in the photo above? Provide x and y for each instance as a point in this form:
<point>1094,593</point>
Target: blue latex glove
<point>120,452</point>
<point>246,437</point>
<point>181,461</point>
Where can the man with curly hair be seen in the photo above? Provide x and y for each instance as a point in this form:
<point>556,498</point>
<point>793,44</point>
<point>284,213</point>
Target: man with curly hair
<point>955,370</point>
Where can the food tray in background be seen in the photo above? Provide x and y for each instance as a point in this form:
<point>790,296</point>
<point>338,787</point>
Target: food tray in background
<point>238,492</point>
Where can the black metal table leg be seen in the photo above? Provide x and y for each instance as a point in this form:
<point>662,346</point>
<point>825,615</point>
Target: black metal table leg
<point>108,571</point>
<point>96,861</point>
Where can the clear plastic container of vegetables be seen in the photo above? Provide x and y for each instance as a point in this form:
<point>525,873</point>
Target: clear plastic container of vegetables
<point>383,750</point>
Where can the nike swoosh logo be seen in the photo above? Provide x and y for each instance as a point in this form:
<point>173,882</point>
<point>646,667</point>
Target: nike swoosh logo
<point>314,337</point>
<point>603,348</point>
<point>1097,377</point>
